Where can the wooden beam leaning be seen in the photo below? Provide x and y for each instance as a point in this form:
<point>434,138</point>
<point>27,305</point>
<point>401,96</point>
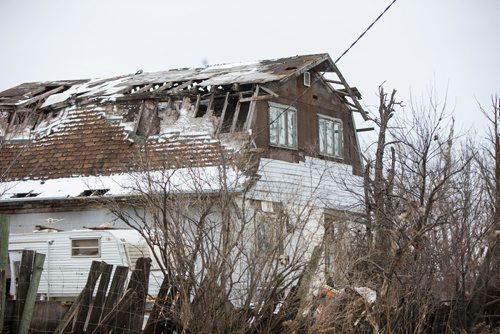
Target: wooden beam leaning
<point>166,86</point>
<point>81,315</point>
<point>197,105</point>
<point>97,306</point>
<point>143,89</point>
<point>257,98</point>
<point>210,103</point>
<point>39,97</point>
<point>268,91</point>
<point>251,109</point>
<point>358,106</point>
<point>156,317</point>
<point>236,114</point>
<point>115,290</point>
<point>350,104</point>
<point>221,120</point>
<point>334,81</point>
<point>139,282</point>
<point>176,89</point>
<point>29,304</point>
<point>123,304</point>
<point>65,322</point>
<point>23,284</point>
<point>4,251</point>
<point>341,92</point>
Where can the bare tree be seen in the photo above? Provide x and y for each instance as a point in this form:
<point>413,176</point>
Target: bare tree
<point>427,215</point>
<point>230,260</point>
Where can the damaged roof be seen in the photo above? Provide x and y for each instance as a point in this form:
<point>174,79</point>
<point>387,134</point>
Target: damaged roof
<point>172,119</point>
<point>53,93</point>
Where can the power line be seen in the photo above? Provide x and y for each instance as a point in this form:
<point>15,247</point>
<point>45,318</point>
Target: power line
<point>294,102</point>
<point>366,30</point>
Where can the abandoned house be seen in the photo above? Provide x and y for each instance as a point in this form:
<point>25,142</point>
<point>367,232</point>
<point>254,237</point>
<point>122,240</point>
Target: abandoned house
<point>282,131</point>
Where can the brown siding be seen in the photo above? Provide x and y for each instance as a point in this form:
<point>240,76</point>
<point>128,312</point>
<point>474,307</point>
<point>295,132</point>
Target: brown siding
<point>318,99</point>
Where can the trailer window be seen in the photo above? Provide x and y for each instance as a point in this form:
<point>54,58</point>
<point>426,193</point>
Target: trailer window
<point>85,247</point>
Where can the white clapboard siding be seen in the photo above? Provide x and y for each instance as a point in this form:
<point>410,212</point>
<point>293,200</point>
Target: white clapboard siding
<point>317,182</point>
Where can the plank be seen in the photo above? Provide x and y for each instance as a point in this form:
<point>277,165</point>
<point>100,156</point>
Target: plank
<point>4,252</point>
<point>210,103</point>
<point>144,89</point>
<point>29,303</point>
<point>25,271</point>
<point>116,289</point>
<point>334,81</point>
<point>139,282</point>
<point>97,305</point>
<point>268,91</point>
<point>67,320</point>
<point>251,110</point>
<point>236,114</point>
<point>341,92</point>
<point>156,318</point>
<point>224,108</point>
<point>180,87</point>
<point>357,105</point>
<point>197,105</point>
<point>122,305</point>
<point>83,308</point>
<point>39,97</point>
<point>164,87</point>
<point>257,98</point>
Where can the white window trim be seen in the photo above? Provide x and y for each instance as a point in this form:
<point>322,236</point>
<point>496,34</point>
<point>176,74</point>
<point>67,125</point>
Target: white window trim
<point>336,120</point>
<point>86,238</point>
<point>288,109</point>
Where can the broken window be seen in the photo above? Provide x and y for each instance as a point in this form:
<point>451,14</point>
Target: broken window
<point>330,136</point>
<point>282,125</point>
<point>85,247</point>
<point>24,195</point>
<point>93,192</point>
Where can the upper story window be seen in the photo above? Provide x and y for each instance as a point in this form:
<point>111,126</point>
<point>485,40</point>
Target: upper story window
<point>85,247</point>
<point>282,125</point>
<point>330,136</point>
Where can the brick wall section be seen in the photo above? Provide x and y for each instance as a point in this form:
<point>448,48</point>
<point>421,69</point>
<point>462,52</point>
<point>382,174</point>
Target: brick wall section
<point>87,144</point>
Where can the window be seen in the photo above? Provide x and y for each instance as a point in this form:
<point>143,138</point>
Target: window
<point>85,247</point>
<point>330,136</point>
<point>307,79</point>
<point>282,125</point>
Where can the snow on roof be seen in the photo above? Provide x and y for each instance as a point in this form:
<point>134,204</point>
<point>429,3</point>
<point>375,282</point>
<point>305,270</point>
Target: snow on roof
<point>112,88</point>
<point>183,180</point>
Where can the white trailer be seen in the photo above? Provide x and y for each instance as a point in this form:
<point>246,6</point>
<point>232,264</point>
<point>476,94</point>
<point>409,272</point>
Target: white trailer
<point>70,254</point>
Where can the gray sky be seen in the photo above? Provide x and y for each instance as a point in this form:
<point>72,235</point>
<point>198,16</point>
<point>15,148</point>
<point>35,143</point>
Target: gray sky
<point>451,44</point>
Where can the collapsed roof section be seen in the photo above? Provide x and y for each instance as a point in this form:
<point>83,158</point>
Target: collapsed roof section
<point>187,117</point>
<point>210,88</point>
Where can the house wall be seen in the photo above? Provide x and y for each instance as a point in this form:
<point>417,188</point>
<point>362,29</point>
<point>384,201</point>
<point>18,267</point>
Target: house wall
<point>318,99</point>
<point>67,220</point>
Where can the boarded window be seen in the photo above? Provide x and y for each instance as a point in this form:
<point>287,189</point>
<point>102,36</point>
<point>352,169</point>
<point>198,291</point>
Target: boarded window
<point>282,125</point>
<point>85,247</point>
<point>330,136</point>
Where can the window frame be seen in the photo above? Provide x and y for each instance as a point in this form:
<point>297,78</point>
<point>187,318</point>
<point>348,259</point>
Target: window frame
<point>333,121</point>
<point>285,111</point>
<point>93,247</point>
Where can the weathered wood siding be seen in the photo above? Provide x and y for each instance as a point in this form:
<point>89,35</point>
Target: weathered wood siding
<point>318,99</point>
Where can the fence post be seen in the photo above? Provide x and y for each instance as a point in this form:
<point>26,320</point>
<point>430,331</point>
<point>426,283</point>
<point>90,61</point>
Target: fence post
<point>4,251</point>
<point>29,304</point>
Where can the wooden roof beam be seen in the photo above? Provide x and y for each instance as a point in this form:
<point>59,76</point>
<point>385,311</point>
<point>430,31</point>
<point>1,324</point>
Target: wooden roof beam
<point>39,97</point>
<point>348,89</point>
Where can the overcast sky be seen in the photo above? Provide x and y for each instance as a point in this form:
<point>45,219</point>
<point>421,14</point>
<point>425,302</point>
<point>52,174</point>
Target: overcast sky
<point>451,44</point>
